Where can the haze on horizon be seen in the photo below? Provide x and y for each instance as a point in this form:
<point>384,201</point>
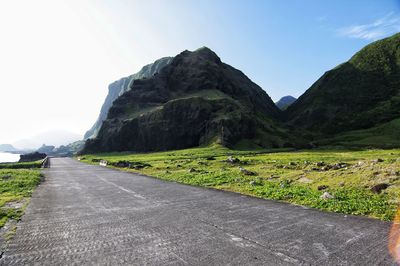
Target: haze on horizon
<point>58,56</point>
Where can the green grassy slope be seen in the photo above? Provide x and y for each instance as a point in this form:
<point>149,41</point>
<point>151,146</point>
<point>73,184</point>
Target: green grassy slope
<point>386,135</point>
<point>361,93</point>
<point>16,186</point>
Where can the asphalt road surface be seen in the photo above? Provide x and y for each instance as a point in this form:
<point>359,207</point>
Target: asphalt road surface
<point>91,215</point>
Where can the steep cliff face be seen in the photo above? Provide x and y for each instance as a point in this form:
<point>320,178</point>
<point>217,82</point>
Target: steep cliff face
<point>119,87</point>
<point>361,93</point>
<point>194,100</point>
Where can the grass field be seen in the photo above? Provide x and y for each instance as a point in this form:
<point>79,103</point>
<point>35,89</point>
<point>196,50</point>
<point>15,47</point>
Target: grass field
<point>17,182</point>
<point>299,177</point>
<point>24,165</point>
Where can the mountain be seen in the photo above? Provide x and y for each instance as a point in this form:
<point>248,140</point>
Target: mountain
<point>285,101</point>
<point>63,150</point>
<point>70,149</point>
<point>194,100</point>
<point>361,93</point>
<point>53,137</point>
<point>7,147</point>
<point>118,87</point>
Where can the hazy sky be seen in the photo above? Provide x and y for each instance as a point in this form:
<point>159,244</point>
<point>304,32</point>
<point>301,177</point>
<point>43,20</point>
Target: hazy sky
<point>58,57</point>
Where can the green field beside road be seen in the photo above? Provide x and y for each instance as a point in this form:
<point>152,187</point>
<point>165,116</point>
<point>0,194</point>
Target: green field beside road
<point>17,182</point>
<point>362,182</point>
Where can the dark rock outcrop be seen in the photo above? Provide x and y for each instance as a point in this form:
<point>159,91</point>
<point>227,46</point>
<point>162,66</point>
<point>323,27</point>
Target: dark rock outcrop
<point>31,157</point>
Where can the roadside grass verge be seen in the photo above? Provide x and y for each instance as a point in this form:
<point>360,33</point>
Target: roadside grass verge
<point>298,177</point>
<point>24,165</point>
<point>16,186</point>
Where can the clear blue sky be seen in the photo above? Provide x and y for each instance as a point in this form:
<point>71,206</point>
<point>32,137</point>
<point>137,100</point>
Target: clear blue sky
<point>284,46</point>
<point>60,55</point>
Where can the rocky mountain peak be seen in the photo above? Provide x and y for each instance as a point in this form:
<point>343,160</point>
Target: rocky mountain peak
<point>194,100</point>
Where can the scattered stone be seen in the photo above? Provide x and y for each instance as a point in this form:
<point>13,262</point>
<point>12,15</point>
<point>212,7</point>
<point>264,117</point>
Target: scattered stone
<point>319,164</point>
<point>393,179</point>
<point>305,180</point>
<point>326,195</point>
<point>178,165</point>
<point>103,163</point>
<point>285,183</point>
<point>167,172</point>
<point>232,160</point>
<point>121,164</point>
<point>139,165</point>
<point>377,189</point>
<point>360,163</point>
<point>376,173</point>
<point>395,173</point>
<point>292,164</point>
<point>246,172</point>
<point>252,182</point>
<point>335,167</point>
<point>274,177</point>
<point>192,170</point>
<point>341,184</point>
<point>130,164</point>
<point>322,187</point>
<point>379,160</point>
<point>326,168</point>
<point>96,160</point>
<point>14,204</point>
<point>338,166</point>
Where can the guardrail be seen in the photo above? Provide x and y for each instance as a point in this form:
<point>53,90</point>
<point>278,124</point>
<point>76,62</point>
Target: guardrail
<point>46,162</point>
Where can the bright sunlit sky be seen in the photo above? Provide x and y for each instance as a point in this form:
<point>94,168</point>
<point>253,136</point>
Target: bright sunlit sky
<point>58,57</point>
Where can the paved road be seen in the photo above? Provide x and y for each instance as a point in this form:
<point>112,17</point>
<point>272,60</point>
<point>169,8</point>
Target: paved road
<point>90,215</point>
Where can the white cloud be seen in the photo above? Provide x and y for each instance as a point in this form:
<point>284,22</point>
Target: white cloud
<point>378,29</point>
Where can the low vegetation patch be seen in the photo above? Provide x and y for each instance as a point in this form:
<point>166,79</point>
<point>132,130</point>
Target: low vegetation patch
<point>365,182</point>
<point>24,165</point>
<point>16,186</point>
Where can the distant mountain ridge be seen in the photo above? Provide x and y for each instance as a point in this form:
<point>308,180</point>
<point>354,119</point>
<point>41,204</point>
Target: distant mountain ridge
<point>117,88</point>
<point>7,147</point>
<point>285,102</point>
<point>52,137</point>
